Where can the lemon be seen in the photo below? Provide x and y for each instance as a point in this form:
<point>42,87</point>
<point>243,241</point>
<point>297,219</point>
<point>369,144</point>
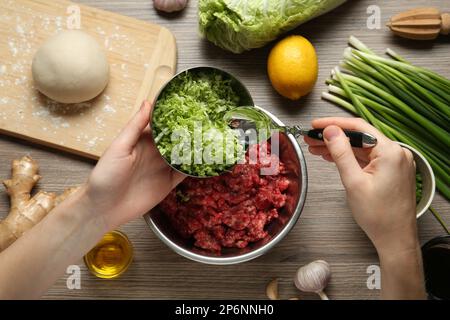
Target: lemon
<point>293,67</point>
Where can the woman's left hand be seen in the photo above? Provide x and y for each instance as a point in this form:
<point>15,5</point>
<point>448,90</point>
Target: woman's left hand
<point>131,177</point>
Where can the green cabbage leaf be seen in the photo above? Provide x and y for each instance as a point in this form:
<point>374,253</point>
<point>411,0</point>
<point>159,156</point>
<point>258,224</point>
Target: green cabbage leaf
<point>197,102</point>
<point>239,25</point>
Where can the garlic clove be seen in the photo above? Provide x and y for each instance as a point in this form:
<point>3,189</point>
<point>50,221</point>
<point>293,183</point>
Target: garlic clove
<point>169,5</point>
<point>322,295</point>
<point>313,277</point>
<point>272,290</point>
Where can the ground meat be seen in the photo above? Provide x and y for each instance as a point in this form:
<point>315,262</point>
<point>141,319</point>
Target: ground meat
<point>231,210</point>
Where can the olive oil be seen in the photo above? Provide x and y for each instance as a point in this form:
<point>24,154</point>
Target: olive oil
<point>111,256</point>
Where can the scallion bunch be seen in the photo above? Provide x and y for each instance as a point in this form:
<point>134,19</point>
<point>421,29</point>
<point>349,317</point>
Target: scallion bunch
<point>407,103</point>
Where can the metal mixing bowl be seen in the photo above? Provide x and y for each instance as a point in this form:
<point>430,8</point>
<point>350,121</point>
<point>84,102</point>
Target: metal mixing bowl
<point>292,156</point>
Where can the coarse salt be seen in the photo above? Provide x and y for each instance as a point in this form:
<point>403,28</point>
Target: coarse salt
<point>12,48</point>
<point>19,29</point>
<point>91,143</point>
<point>2,69</point>
<point>108,108</point>
<point>17,67</point>
<point>58,21</point>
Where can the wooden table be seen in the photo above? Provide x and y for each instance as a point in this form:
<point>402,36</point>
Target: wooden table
<point>325,230</point>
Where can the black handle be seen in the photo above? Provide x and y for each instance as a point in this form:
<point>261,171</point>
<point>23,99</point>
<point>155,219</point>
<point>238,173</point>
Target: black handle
<point>357,139</point>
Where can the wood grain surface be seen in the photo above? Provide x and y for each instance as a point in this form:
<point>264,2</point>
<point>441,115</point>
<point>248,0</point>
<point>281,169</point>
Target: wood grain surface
<point>85,128</point>
<point>325,230</point>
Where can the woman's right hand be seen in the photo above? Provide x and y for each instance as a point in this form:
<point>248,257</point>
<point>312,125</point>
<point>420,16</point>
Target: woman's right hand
<point>380,183</point>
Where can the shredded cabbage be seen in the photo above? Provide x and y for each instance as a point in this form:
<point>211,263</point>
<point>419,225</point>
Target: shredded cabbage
<point>188,100</point>
<point>239,25</point>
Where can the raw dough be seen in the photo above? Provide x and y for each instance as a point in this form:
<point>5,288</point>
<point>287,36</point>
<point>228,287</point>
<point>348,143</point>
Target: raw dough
<point>70,67</point>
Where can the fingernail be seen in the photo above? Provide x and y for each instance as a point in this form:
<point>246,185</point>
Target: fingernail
<point>332,132</point>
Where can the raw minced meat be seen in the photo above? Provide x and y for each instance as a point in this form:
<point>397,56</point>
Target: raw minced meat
<point>230,210</point>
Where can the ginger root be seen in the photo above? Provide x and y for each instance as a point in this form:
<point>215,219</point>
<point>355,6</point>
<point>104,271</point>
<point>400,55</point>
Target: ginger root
<point>25,211</point>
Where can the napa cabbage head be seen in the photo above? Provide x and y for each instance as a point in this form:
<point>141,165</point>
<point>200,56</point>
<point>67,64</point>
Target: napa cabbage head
<point>239,25</point>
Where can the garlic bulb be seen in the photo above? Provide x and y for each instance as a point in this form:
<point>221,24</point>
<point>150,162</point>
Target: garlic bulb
<point>313,277</point>
<point>169,5</point>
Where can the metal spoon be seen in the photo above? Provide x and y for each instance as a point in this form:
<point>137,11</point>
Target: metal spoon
<point>357,139</point>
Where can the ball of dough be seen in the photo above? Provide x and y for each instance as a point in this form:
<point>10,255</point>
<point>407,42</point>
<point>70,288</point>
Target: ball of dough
<point>70,67</point>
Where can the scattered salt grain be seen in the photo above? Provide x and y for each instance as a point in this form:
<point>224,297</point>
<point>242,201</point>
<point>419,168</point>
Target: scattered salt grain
<point>17,67</point>
<point>12,48</point>
<point>108,108</point>
<point>92,143</point>
<point>58,22</point>
<point>41,113</point>
<point>2,69</point>
<point>19,29</point>
<point>100,31</point>
<point>20,80</point>
<point>99,121</point>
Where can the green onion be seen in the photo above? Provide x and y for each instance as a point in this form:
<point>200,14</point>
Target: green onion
<point>418,187</point>
<point>407,103</point>
<point>439,219</point>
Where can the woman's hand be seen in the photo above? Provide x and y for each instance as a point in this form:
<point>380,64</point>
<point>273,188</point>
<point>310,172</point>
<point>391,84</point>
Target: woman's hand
<point>380,182</point>
<point>380,185</point>
<point>131,177</point>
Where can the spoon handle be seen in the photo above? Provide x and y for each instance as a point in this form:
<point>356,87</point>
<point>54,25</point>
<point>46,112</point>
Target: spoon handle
<point>357,139</point>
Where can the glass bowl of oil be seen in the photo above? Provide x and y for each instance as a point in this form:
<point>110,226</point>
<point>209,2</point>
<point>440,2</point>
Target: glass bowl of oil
<point>111,256</point>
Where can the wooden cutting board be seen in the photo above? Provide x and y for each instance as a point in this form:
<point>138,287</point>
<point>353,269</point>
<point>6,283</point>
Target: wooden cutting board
<point>142,58</point>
